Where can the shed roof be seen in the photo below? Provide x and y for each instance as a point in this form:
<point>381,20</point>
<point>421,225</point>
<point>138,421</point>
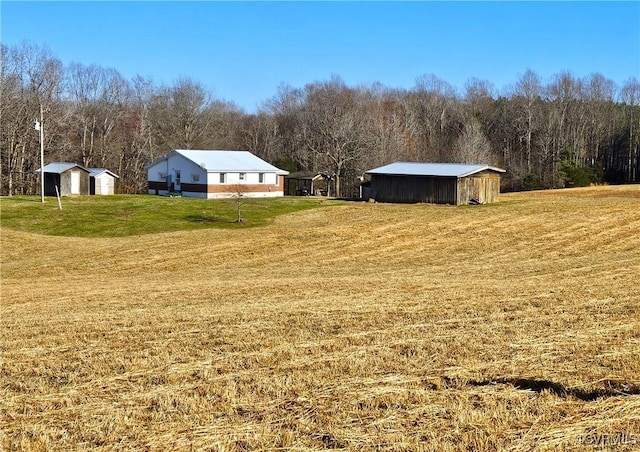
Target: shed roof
<point>304,175</point>
<point>222,160</point>
<point>61,167</point>
<point>432,169</point>
<point>94,172</point>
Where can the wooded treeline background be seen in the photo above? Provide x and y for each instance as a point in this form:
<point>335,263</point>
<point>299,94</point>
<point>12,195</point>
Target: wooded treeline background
<point>563,132</point>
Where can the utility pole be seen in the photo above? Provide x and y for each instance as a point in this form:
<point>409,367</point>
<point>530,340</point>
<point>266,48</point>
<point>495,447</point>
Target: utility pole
<point>39,126</point>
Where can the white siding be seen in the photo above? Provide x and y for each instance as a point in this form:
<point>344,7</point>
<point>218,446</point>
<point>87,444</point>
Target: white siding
<point>154,171</point>
<point>186,169</point>
<point>104,184</point>
<point>170,167</point>
<point>252,178</point>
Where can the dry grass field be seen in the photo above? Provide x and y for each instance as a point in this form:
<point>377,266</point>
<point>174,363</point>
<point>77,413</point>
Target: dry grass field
<point>512,326</point>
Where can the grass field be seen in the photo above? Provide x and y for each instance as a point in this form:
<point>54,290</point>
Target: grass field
<point>512,326</point>
<point>124,215</point>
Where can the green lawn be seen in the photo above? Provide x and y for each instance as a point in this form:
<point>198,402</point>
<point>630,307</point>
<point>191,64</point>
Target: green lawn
<point>125,215</point>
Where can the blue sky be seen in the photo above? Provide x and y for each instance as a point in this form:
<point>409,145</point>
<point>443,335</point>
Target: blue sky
<point>242,51</point>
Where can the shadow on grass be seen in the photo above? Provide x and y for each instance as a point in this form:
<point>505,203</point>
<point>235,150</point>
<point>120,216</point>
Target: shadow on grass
<point>203,219</point>
<point>609,388</point>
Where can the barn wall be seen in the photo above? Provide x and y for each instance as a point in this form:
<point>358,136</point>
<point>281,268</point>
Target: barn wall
<point>435,190</point>
<point>65,183</point>
<point>483,187</point>
<point>84,182</point>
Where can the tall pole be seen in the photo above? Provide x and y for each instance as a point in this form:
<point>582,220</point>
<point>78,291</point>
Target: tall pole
<point>41,128</point>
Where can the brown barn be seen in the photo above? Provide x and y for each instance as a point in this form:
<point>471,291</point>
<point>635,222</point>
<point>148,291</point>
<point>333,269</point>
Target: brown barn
<point>70,178</point>
<point>437,183</point>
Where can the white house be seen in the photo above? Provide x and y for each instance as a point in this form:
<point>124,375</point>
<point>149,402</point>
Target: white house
<point>214,174</point>
<point>102,181</point>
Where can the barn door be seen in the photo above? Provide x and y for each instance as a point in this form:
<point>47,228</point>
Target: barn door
<point>476,192</point>
<point>75,183</point>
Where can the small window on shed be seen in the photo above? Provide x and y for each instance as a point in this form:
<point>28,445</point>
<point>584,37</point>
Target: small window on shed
<point>195,178</point>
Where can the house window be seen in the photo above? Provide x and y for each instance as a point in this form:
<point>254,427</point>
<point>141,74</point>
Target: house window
<point>277,180</point>
<point>261,178</point>
<point>243,176</point>
<point>223,178</point>
<point>177,177</point>
<point>195,178</point>
<point>162,176</point>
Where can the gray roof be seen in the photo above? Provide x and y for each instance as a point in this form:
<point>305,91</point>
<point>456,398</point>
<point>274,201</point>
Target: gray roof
<point>304,175</point>
<point>60,167</point>
<point>432,169</point>
<point>93,172</point>
<point>221,160</point>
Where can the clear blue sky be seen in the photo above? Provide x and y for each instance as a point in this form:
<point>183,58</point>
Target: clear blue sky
<point>242,51</point>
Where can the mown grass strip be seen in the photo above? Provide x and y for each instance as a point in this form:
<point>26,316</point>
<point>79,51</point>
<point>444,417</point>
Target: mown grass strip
<point>127,215</point>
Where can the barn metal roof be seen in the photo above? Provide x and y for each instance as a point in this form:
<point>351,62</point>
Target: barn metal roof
<point>60,167</point>
<point>221,160</point>
<point>432,169</point>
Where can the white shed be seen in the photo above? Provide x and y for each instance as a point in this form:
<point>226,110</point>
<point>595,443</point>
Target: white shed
<point>102,181</point>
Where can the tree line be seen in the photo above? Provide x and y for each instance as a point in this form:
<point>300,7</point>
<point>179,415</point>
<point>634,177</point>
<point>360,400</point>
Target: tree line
<point>567,131</point>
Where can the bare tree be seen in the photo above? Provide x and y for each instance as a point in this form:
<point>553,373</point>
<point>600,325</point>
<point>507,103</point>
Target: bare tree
<point>630,94</point>
<point>102,119</point>
<point>187,102</point>
<point>239,198</point>
<point>333,124</point>
<point>384,123</point>
<point>99,95</point>
<point>527,95</point>
<point>30,79</point>
<point>433,117</point>
<point>599,97</point>
<point>286,109</point>
<point>140,146</point>
<point>472,146</point>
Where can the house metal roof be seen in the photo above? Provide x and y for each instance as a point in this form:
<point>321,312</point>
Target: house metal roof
<point>60,167</point>
<point>94,172</point>
<point>223,161</point>
<point>432,169</point>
